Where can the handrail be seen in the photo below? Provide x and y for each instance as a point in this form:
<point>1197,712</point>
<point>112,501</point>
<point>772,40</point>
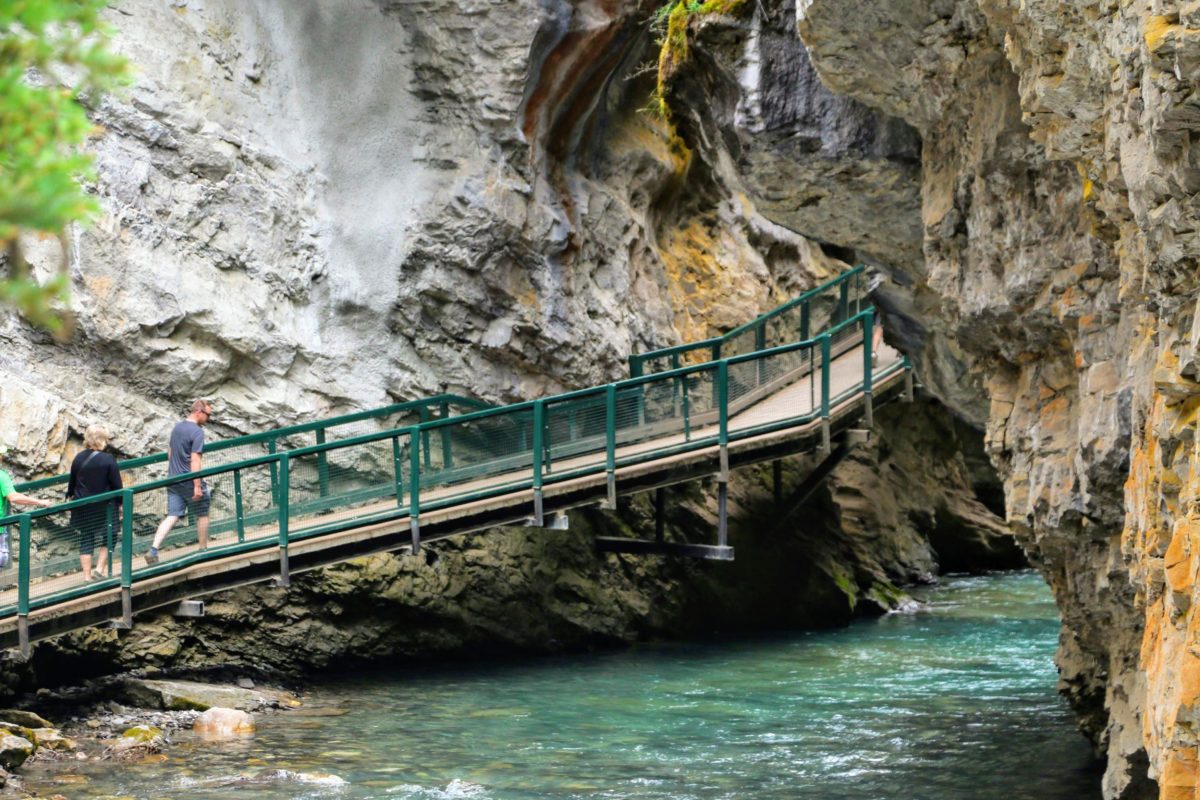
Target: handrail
<point>289,494</point>
<point>276,434</point>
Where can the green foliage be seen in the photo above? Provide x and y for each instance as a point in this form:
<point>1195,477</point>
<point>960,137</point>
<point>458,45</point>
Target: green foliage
<point>53,53</point>
<point>670,23</point>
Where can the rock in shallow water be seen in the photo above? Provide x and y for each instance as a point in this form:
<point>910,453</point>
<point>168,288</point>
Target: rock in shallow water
<point>189,695</point>
<point>217,723</point>
<point>14,750</point>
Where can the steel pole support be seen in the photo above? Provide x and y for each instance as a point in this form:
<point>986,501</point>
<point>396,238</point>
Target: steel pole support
<point>539,416</point>
<point>414,490</point>
<point>23,578</point>
<point>907,397</point>
<point>285,575</point>
<point>610,446</point>
<point>722,514</point>
<point>23,636</point>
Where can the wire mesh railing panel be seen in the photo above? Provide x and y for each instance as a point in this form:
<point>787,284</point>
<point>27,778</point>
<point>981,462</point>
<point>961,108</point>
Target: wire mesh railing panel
<point>674,408</point>
<point>344,482</point>
<point>755,385</point>
<point>241,506</point>
<point>575,432</point>
<point>478,451</point>
<point>58,540</point>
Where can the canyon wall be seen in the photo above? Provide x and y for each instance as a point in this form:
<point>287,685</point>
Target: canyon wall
<point>1059,255</point>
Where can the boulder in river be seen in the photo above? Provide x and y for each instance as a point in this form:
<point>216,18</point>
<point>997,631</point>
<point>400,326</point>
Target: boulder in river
<point>219,723</point>
<point>26,719</point>
<point>52,739</point>
<point>14,750</point>
<point>190,695</point>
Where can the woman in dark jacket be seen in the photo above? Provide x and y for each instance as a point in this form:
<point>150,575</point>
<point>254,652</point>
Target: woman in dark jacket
<point>93,472</point>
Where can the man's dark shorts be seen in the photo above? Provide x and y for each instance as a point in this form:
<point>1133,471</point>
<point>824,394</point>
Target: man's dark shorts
<point>179,497</point>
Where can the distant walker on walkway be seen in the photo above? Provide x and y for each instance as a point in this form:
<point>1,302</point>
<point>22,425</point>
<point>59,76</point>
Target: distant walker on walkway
<point>94,472</point>
<point>186,446</point>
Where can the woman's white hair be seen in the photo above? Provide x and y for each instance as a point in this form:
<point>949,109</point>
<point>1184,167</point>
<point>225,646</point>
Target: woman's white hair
<point>95,437</point>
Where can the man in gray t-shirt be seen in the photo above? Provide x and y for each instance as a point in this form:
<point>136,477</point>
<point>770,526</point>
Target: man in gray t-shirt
<point>183,456</point>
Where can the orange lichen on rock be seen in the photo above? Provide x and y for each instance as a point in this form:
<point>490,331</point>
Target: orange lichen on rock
<point>707,283</point>
<point>1162,542</point>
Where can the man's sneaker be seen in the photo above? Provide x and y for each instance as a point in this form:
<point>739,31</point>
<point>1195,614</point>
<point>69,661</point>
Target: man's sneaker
<point>152,556</point>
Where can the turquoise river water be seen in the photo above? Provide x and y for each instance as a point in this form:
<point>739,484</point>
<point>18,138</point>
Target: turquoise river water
<point>954,701</point>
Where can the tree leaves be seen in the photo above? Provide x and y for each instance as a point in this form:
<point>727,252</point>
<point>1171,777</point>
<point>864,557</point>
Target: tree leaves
<point>53,55</point>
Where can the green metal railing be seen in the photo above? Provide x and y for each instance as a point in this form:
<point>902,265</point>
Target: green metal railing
<point>138,470</point>
<point>291,490</point>
<point>813,312</point>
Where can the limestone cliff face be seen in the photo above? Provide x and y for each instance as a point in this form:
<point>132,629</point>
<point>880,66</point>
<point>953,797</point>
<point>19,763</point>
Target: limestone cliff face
<point>1059,253</point>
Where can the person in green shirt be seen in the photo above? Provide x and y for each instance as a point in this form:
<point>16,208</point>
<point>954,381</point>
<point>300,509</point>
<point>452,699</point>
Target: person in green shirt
<point>9,496</point>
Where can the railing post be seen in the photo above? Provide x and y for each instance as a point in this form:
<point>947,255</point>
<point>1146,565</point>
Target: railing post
<point>23,549</point>
<point>825,368</point>
<point>843,301</point>
<point>760,344</point>
<point>447,448</point>
<point>635,366</point>
<point>687,410</point>
<point>322,466</point>
<point>414,489</point>
<point>610,444</point>
<point>398,471</point>
<point>805,320</point>
<point>108,534</point>
<point>908,381</point>
<point>868,365</point>
<point>538,420</point>
<point>723,440</point>
<point>239,506</point>
<point>127,558</point>
<point>424,416</point>
<point>285,577</point>
<point>716,356</point>
<point>723,417</point>
<point>676,392</point>
<point>271,448</point>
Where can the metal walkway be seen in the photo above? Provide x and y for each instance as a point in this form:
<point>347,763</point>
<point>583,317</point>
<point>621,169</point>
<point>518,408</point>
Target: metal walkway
<point>391,478</point>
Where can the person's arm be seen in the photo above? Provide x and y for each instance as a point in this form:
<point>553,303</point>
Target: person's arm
<point>26,500</point>
<point>198,484</point>
<point>71,480</point>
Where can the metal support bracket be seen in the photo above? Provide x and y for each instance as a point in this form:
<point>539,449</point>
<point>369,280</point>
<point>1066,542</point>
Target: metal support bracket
<point>826,441</point>
<point>285,576</point>
<point>23,636</point>
<point>558,522</point>
<point>907,397</point>
<point>189,609</point>
<point>538,517</point>
<point>868,411</point>
<point>723,475</point>
<point>610,500</point>
<point>414,527</point>
<point>126,607</point>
